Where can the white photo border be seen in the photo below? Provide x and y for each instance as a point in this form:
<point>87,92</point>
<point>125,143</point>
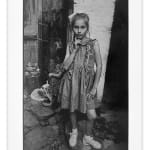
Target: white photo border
<point>135,75</point>
<point>15,75</point>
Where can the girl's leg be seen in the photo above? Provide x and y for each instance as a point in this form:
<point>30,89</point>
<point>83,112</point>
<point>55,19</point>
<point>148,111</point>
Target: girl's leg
<point>73,119</point>
<point>88,139</point>
<point>74,133</point>
<point>91,114</point>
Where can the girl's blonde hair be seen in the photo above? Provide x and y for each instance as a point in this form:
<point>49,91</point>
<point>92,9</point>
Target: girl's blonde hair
<point>80,16</point>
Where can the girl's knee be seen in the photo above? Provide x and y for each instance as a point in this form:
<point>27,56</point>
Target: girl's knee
<point>91,114</point>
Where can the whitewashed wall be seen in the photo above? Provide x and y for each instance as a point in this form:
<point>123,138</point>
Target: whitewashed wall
<point>101,18</point>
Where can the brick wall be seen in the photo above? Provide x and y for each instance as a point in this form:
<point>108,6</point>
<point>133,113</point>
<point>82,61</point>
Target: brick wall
<point>101,18</point>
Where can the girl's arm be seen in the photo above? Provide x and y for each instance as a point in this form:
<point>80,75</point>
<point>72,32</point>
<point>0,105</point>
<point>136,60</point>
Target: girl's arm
<point>67,53</point>
<point>98,68</point>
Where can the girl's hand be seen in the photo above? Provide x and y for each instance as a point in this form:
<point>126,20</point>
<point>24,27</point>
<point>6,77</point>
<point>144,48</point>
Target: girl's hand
<point>51,75</point>
<point>92,93</point>
<point>77,41</point>
<point>54,75</point>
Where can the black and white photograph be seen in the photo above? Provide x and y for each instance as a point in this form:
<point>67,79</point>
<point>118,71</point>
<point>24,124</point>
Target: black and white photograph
<point>75,75</point>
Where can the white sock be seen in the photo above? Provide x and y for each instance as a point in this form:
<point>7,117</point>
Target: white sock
<point>74,130</point>
<point>87,136</point>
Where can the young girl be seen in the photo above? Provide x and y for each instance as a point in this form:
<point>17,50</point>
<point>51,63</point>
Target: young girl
<point>80,80</point>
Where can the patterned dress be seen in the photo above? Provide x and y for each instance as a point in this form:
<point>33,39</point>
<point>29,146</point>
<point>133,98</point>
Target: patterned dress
<point>79,78</point>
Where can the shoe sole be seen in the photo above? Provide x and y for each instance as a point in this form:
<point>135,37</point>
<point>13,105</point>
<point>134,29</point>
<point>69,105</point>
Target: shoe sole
<point>87,144</point>
<point>73,145</point>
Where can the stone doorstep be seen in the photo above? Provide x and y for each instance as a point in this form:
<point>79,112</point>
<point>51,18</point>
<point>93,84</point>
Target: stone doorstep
<point>29,119</point>
<point>41,112</point>
<point>52,120</point>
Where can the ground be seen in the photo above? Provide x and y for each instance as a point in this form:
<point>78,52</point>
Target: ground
<point>44,129</point>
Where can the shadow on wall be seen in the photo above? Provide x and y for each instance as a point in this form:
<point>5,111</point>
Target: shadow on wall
<point>116,85</point>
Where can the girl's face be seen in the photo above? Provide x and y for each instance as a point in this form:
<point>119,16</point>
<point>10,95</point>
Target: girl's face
<point>80,29</point>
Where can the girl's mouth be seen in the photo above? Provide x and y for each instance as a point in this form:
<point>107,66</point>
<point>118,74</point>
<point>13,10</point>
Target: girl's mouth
<point>79,35</point>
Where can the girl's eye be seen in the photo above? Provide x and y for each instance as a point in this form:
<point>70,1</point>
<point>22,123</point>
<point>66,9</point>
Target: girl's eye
<point>76,27</point>
<point>82,27</point>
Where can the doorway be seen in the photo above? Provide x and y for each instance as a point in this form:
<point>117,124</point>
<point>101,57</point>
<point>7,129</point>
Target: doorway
<point>52,35</point>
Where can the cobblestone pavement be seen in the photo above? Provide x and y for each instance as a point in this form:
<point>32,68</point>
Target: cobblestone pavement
<point>44,130</point>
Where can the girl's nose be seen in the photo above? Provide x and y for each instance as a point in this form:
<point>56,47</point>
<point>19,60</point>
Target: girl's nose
<point>79,31</point>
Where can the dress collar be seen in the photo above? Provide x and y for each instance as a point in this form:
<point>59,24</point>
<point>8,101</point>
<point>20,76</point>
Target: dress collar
<point>84,41</point>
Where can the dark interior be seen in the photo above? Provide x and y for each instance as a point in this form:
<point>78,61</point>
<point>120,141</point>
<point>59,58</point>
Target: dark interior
<point>53,32</point>
<point>116,85</point>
